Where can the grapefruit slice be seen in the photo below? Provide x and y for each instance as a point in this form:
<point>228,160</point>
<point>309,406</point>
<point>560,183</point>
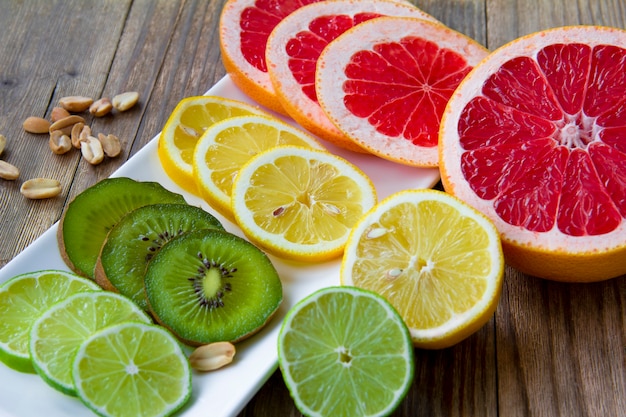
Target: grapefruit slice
<point>385,84</point>
<point>244,28</point>
<point>296,43</point>
<point>535,137</point>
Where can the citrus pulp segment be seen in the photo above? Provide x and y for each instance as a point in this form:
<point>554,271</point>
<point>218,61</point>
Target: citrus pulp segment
<point>189,119</point>
<point>23,299</point>
<point>227,145</point>
<point>57,334</point>
<point>385,84</point>
<point>244,28</point>
<point>300,203</point>
<point>344,351</point>
<point>132,369</point>
<point>437,260</point>
<point>535,138</point>
<point>295,45</point>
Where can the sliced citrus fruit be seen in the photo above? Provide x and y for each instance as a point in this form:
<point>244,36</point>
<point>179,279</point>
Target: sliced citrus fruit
<point>535,138</point>
<point>189,119</point>
<point>58,332</point>
<point>244,28</point>
<point>345,351</point>
<point>227,145</point>
<point>296,43</point>
<point>132,369</point>
<point>385,84</point>
<point>23,299</point>
<point>300,203</point>
<point>437,260</point>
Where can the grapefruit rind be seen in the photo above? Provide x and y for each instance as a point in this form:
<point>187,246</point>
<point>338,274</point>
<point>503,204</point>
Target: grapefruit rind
<point>296,103</point>
<point>551,255</point>
<point>330,76</point>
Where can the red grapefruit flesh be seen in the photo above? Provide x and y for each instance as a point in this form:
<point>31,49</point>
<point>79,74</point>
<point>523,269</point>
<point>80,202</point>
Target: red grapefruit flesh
<point>385,84</point>
<point>535,137</point>
<point>295,45</point>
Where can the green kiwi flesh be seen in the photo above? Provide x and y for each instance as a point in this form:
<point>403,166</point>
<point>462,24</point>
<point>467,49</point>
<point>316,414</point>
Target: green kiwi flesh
<point>135,240</point>
<point>211,285</point>
<point>89,217</point>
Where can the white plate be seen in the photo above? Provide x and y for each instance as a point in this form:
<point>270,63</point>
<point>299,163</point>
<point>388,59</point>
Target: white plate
<point>227,391</point>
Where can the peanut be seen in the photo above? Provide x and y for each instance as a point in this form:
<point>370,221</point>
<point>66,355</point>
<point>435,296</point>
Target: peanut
<point>58,113</point>
<point>34,124</point>
<point>59,142</point>
<point>38,188</point>
<point>3,143</point>
<point>75,104</point>
<point>101,107</point>
<point>84,134</point>
<point>125,101</point>
<point>8,171</point>
<point>92,151</point>
<point>75,134</point>
<point>110,144</point>
<point>212,356</point>
<point>65,124</point>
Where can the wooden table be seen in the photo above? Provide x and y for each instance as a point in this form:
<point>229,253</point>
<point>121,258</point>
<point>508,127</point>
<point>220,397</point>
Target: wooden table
<point>551,349</point>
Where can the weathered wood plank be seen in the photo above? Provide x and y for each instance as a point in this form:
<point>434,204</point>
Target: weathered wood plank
<point>49,49</point>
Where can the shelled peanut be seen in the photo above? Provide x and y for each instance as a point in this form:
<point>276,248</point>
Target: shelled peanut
<point>69,130</point>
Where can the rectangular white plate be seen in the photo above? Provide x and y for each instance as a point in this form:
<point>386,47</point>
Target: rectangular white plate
<point>225,392</point>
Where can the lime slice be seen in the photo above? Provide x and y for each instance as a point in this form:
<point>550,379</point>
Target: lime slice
<point>57,334</point>
<point>132,369</point>
<point>23,299</point>
<point>345,351</point>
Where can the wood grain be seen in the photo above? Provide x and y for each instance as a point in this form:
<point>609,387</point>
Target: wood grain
<point>551,349</point>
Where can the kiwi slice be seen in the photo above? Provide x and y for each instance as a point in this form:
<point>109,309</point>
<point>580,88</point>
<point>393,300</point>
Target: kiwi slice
<point>211,285</point>
<point>137,237</point>
<point>89,217</point>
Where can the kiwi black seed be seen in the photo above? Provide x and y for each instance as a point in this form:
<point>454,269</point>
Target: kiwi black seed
<point>89,217</point>
<point>211,285</point>
<point>136,239</point>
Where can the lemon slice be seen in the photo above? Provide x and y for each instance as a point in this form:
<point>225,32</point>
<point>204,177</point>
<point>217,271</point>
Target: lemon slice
<point>58,332</point>
<point>300,203</point>
<point>345,351</point>
<point>436,259</point>
<point>187,122</point>
<point>227,145</point>
<point>23,299</point>
<point>132,369</point>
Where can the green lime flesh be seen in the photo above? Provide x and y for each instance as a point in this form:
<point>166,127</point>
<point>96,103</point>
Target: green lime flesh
<point>23,299</point>
<point>91,215</point>
<point>210,285</point>
<point>137,237</point>
<point>58,333</point>
<point>344,351</point>
<point>132,369</point>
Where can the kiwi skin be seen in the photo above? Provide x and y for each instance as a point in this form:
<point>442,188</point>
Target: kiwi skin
<point>137,237</point>
<point>246,290</point>
<point>88,218</point>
